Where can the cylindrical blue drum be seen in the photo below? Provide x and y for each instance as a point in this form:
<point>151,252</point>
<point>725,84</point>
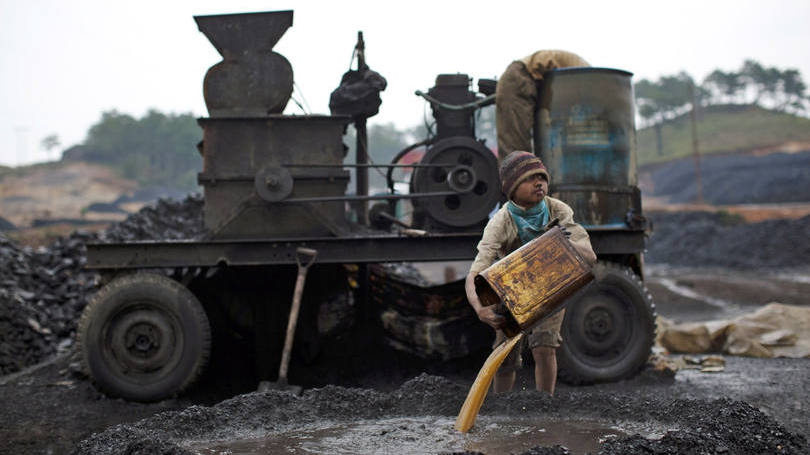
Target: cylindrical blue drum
<point>585,134</point>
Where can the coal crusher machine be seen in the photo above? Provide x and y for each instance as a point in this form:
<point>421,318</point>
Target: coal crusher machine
<point>276,186</point>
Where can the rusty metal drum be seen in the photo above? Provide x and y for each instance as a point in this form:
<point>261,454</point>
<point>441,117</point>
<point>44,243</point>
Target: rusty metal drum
<point>533,281</point>
<point>585,124</point>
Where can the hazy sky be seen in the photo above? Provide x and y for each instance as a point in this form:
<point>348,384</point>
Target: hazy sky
<point>66,62</point>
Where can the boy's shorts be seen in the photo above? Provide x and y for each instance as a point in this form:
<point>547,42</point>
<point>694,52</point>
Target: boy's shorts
<point>546,334</point>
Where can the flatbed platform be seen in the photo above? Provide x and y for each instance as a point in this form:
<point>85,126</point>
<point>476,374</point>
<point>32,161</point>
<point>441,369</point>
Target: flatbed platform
<point>367,248</point>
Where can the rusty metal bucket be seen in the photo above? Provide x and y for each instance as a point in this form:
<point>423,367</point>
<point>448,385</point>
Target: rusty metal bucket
<point>533,281</point>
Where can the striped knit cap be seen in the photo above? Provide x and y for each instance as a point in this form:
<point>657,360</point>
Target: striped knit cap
<point>516,167</point>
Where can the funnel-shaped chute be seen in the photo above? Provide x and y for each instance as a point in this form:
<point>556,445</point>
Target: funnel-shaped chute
<point>231,33</point>
<point>251,80</point>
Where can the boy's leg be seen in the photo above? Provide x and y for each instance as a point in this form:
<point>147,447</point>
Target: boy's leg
<point>545,368</point>
<point>543,342</point>
<point>504,379</point>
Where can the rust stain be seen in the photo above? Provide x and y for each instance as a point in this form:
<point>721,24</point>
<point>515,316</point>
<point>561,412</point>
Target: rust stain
<point>537,278</point>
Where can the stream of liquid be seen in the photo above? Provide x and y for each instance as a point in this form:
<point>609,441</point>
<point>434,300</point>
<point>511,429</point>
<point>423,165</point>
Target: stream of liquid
<point>478,391</point>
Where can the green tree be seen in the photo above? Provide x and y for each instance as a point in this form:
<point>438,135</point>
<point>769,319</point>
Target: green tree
<point>724,86</point>
<point>666,98</point>
<point>755,75</point>
<point>782,90</point>
<point>793,89</point>
<point>662,99</point>
<point>157,149</point>
<point>49,143</point>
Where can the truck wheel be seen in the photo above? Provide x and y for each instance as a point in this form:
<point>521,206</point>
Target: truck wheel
<point>609,330</point>
<point>144,337</point>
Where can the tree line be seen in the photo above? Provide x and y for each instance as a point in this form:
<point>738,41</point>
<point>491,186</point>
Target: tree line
<point>155,150</point>
<point>160,149</point>
<point>752,84</point>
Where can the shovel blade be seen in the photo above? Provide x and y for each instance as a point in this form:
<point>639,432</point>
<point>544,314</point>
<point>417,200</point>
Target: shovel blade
<point>280,385</point>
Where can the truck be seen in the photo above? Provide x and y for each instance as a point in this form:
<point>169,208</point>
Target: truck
<point>274,184</point>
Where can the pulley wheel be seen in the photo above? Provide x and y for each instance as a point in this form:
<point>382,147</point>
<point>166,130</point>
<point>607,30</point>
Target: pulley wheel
<point>470,170</point>
<point>273,183</point>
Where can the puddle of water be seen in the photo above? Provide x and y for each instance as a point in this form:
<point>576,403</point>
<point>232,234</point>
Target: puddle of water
<point>683,291</point>
<point>794,277</point>
<point>492,435</point>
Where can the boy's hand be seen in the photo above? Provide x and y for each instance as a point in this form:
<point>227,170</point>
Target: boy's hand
<point>488,315</point>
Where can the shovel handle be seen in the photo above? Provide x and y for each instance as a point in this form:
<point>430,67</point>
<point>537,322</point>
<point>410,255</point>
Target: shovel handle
<point>309,258</point>
<point>304,257</point>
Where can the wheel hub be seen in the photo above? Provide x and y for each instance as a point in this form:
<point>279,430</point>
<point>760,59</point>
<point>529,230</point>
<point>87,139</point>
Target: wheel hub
<point>461,179</point>
<point>142,340</point>
<point>601,327</point>
<point>598,324</point>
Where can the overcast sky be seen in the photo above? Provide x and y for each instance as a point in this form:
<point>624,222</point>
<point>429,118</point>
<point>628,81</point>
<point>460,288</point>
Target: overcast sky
<point>66,62</point>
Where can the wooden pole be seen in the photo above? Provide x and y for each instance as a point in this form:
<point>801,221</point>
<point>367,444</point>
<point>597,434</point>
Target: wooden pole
<point>695,148</point>
<point>361,136</point>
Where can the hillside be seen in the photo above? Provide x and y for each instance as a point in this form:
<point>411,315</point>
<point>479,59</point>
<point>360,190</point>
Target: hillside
<point>725,129</point>
<point>738,178</point>
<point>58,190</point>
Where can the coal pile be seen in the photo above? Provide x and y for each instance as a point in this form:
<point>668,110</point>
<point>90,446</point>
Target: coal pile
<point>717,426</point>
<point>700,426</point>
<point>736,179</point>
<point>45,290</point>
<point>42,295</point>
<point>168,219</point>
<point>723,240</point>
<point>6,225</point>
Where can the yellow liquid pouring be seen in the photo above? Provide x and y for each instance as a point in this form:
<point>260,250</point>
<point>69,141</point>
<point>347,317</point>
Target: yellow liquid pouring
<point>478,391</point>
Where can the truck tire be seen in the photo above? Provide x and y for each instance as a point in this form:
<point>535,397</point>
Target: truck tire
<point>609,329</point>
<point>144,337</point>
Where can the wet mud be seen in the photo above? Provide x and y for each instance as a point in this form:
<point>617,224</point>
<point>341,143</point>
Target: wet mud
<point>418,418</point>
<point>496,435</point>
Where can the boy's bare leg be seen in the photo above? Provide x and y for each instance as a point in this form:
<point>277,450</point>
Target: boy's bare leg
<point>545,368</point>
<point>504,381</point>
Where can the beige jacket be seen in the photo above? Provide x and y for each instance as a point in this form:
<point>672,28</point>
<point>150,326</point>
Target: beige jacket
<point>542,61</point>
<point>500,236</point>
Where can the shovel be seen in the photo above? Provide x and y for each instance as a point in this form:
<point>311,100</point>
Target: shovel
<point>304,257</point>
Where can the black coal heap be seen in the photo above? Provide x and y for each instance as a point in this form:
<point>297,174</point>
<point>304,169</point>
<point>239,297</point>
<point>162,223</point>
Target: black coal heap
<point>44,290</point>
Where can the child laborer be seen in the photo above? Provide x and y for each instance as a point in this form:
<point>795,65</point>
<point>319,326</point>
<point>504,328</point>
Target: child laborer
<point>524,180</point>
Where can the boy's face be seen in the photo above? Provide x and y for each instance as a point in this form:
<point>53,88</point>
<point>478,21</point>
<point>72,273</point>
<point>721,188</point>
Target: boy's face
<point>531,190</point>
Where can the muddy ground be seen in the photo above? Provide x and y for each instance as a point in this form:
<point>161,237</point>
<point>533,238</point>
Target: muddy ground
<point>379,400</point>
<point>763,402</point>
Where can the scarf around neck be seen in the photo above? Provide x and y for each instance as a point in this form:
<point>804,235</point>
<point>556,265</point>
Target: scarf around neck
<point>529,222</point>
